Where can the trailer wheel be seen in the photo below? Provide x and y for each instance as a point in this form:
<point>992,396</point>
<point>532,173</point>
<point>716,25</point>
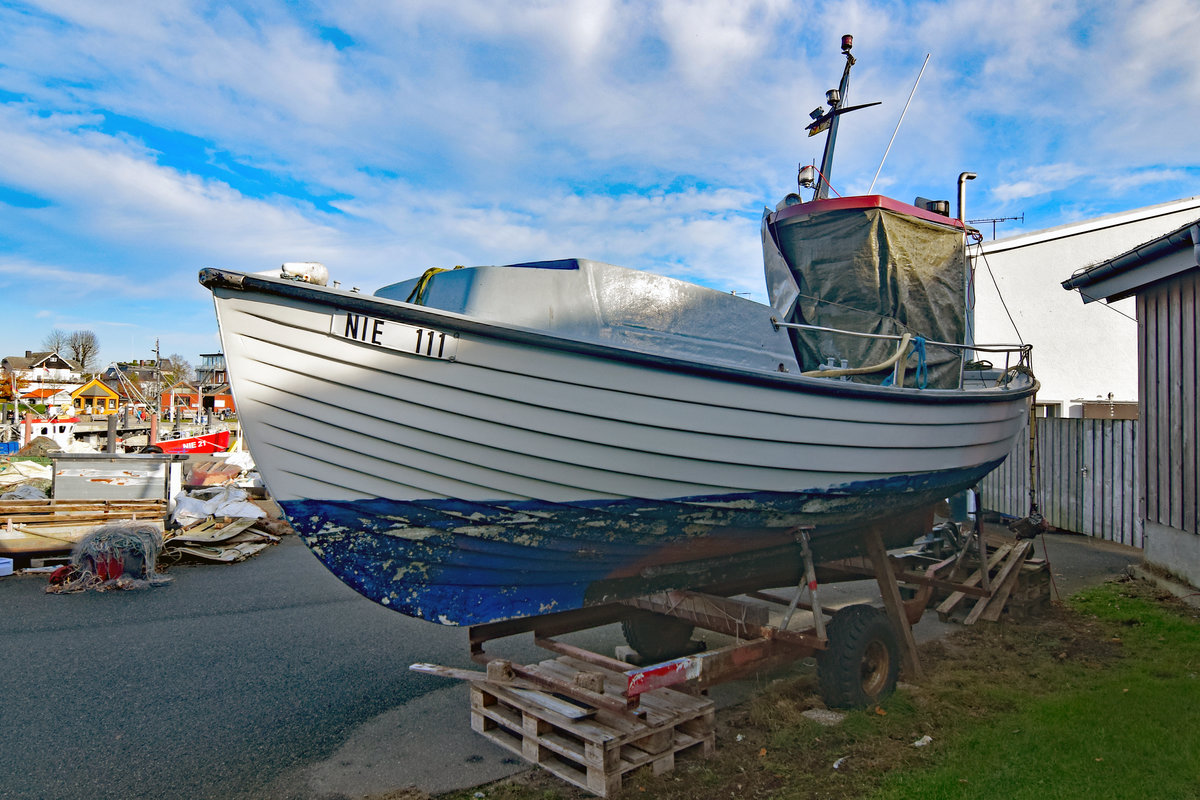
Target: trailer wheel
<point>862,661</point>
<point>658,637</point>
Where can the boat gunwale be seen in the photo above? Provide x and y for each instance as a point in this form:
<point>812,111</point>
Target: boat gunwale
<point>215,278</point>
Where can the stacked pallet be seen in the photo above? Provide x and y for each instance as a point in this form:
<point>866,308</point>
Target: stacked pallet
<point>592,748</point>
<point>1031,596</point>
<point>1020,587</point>
<point>52,526</point>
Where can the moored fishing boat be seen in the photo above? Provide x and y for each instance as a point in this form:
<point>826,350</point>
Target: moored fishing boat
<point>503,441</point>
<point>213,441</point>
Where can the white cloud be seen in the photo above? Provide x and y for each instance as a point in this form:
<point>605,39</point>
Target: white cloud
<point>645,133</point>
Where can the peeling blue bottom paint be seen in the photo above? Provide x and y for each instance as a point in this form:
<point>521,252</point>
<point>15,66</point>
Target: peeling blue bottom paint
<point>467,563</point>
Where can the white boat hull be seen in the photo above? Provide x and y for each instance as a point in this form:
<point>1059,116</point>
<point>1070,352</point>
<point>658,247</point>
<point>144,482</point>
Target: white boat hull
<point>530,474</point>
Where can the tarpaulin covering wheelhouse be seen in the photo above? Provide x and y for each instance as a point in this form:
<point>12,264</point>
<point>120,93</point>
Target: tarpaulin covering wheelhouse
<point>867,268</point>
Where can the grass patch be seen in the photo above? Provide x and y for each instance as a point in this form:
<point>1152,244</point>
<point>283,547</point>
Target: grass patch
<point>1098,699</point>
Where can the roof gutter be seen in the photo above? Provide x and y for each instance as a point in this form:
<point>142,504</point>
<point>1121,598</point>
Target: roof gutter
<point>1139,255</point>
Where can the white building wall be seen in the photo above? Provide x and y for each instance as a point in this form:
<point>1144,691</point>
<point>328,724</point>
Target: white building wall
<point>1079,352</point>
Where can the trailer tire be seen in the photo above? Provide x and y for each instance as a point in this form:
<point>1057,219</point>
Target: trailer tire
<point>860,665</point>
<point>657,637</point>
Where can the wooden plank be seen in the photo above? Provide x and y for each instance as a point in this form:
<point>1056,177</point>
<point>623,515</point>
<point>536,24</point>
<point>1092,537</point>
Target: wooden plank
<point>1099,464</point>
<point>551,703</point>
<point>1160,357</point>
<point>545,678</point>
<point>1143,402</point>
<point>1005,581</point>
<point>947,605</point>
<point>1087,493</point>
<point>82,518</point>
<point>1173,290</point>
<point>893,603</point>
<point>1135,506</point>
<point>1190,410</point>
<point>6,509</point>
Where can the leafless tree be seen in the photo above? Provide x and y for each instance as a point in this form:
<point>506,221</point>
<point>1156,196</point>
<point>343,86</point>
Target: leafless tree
<point>56,341</point>
<point>176,368</point>
<point>83,347</point>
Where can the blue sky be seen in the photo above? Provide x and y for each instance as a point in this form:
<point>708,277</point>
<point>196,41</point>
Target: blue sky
<point>147,139</point>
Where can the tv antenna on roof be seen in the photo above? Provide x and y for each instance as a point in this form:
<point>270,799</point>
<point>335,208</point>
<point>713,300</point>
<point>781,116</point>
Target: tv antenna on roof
<point>997,219</point>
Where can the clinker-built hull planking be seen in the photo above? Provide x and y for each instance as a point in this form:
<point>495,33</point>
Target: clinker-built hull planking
<point>522,473</point>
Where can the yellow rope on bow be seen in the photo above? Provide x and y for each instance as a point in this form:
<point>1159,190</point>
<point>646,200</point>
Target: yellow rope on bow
<point>837,373</point>
<point>417,295</point>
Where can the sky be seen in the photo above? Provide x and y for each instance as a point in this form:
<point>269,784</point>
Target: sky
<point>144,140</point>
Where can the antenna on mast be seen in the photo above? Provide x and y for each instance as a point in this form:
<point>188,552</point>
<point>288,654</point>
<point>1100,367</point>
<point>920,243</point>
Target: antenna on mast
<point>902,113</point>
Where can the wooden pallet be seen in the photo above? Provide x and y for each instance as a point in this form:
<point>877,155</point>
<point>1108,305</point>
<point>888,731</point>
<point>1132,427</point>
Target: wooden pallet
<point>1020,587</point>
<point>592,748</point>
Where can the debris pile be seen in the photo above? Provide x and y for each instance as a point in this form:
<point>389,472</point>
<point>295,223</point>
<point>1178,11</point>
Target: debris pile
<point>40,447</point>
<point>236,468</point>
<point>24,491</point>
<point>214,519</point>
<point>14,474</point>
<point>221,523</point>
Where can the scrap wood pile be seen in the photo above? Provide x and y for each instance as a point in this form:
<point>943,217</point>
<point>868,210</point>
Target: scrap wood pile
<point>32,526</point>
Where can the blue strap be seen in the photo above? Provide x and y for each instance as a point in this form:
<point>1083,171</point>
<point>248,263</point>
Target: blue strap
<point>922,376</point>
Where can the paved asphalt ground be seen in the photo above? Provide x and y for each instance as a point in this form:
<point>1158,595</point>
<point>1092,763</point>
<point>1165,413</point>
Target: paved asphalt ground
<point>266,679</point>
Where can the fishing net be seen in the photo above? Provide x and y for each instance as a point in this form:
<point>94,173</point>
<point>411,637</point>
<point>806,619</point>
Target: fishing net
<point>120,555</point>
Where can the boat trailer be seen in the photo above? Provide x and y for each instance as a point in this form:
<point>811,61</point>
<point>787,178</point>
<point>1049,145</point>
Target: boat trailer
<point>591,719</point>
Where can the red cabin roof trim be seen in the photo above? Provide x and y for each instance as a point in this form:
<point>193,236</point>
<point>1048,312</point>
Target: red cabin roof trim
<point>864,202</point>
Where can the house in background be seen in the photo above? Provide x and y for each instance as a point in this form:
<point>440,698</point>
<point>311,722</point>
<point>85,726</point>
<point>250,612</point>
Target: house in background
<point>141,373</point>
<point>1163,275</point>
<point>188,400</point>
<point>96,397</point>
<point>1079,358</point>
<point>57,401</point>
<point>211,371</point>
<point>42,370</point>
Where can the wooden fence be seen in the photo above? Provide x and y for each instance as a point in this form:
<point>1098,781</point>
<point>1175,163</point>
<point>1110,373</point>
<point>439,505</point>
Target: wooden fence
<point>1087,480</point>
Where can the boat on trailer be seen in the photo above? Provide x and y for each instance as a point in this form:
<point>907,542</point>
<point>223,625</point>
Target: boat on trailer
<point>494,442</point>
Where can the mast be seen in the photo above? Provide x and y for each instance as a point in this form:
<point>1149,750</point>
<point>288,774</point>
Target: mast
<point>836,98</point>
<point>828,120</point>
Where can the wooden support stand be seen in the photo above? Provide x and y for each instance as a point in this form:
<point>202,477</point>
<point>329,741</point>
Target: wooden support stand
<point>592,720</point>
<point>893,603</point>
